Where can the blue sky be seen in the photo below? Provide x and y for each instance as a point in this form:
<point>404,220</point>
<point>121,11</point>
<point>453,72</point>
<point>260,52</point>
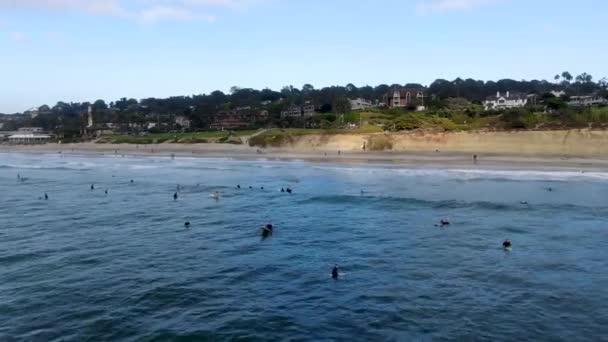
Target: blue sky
<point>83,50</point>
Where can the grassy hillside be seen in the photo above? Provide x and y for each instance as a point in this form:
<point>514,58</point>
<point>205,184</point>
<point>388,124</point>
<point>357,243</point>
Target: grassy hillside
<point>186,138</point>
<point>279,137</point>
<point>459,118</point>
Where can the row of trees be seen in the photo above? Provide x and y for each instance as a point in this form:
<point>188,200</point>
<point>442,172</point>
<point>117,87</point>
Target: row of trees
<point>202,109</point>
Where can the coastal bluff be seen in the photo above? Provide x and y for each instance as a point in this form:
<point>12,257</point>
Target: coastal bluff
<point>582,143</point>
<point>561,142</point>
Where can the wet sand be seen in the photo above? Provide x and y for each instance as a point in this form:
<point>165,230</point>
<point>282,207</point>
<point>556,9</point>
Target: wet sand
<point>449,159</point>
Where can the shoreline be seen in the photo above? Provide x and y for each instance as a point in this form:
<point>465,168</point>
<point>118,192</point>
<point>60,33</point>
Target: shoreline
<point>420,159</point>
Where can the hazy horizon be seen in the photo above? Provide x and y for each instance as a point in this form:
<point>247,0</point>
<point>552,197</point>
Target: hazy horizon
<point>77,50</point>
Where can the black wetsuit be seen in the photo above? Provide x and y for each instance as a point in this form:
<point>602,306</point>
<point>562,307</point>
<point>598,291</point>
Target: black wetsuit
<point>334,272</point>
<point>267,230</point>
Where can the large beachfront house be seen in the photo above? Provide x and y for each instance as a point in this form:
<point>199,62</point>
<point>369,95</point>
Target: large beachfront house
<point>587,100</point>
<point>307,110</point>
<point>182,121</point>
<point>29,135</point>
<point>506,100</point>
<point>404,97</point>
<point>360,104</point>
<point>241,117</point>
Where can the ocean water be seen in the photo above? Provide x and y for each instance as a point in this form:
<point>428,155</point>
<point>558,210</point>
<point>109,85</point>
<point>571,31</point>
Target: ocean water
<point>86,266</point>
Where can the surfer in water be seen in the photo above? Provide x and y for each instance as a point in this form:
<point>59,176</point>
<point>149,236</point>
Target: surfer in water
<point>444,222</point>
<point>92,187</point>
<point>106,191</point>
<point>46,197</point>
<point>282,190</point>
<point>506,244</point>
<point>267,230</point>
<point>288,190</point>
<point>187,224</point>
<point>216,195</point>
<point>334,272</point>
<point>238,186</point>
<point>175,196</point>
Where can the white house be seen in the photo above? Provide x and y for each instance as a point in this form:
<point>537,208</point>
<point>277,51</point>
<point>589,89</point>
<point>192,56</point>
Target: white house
<point>360,104</point>
<point>29,138</point>
<point>587,100</point>
<point>308,109</point>
<point>507,100</point>
<point>182,121</point>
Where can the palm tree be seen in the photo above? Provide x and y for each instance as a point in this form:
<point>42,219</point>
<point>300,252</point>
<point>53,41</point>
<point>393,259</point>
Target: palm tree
<point>567,76</point>
<point>556,78</point>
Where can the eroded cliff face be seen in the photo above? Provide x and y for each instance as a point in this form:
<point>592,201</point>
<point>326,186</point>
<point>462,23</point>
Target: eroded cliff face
<point>567,142</point>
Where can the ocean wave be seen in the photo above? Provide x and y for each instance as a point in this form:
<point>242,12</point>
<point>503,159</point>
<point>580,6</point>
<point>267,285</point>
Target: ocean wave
<point>40,167</point>
<point>527,175</point>
<point>391,201</point>
<point>473,175</point>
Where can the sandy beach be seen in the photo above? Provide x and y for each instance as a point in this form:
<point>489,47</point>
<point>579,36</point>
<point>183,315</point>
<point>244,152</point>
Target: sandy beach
<point>572,149</point>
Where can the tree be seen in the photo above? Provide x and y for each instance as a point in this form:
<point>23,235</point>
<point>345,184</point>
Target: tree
<point>584,78</point>
<point>44,109</point>
<point>554,103</point>
<point>10,125</point>
<point>567,76</point>
<point>352,90</point>
<point>99,106</point>
<point>341,105</point>
<point>325,108</point>
<point>121,104</point>
<point>307,90</point>
<point>556,78</point>
<point>603,84</point>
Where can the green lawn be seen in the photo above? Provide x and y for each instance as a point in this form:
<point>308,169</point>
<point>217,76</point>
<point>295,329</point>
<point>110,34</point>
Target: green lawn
<point>157,138</point>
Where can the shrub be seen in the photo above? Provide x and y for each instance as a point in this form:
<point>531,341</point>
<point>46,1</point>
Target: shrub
<point>379,143</point>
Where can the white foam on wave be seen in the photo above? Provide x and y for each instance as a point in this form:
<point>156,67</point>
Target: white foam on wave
<point>529,175</point>
<point>144,167</point>
<point>471,174</point>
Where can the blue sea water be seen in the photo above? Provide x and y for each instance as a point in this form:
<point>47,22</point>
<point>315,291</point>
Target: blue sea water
<point>86,266</point>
